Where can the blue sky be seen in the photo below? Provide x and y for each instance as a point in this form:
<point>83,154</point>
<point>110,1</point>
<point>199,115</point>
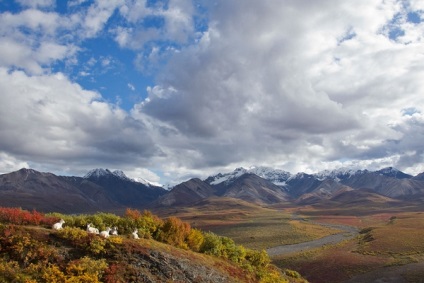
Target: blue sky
<point>168,90</point>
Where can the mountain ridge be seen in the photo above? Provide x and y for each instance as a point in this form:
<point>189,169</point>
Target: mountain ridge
<point>103,189</point>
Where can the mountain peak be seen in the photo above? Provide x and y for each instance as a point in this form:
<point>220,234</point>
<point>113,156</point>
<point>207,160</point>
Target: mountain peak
<point>393,172</point>
<point>276,176</point>
<point>339,174</point>
<point>98,173</point>
<point>120,174</point>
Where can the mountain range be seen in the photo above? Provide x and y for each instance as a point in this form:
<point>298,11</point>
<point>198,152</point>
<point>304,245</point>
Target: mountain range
<point>99,190</point>
<point>104,190</point>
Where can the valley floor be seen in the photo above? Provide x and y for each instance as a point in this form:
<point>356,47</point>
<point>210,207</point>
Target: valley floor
<point>326,245</point>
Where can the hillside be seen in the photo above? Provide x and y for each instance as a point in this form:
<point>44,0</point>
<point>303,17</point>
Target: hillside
<point>168,250</point>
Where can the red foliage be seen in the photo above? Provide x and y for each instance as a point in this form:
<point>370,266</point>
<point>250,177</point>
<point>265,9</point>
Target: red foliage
<point>132,213</point>
<point>18,216</point>
<point>110,274</point>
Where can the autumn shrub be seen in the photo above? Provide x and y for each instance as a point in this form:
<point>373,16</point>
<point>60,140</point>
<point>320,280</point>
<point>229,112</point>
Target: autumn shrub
<point>271,275</point>
<point>9,271</point>
<point>21,247</point>
<point>292,273</point>
<point>76,236</point>
<point>81,239</point>
<point>223,247</point>
<point>86,270</point>
<point>19,216</point>
<point>53,274</point>
<point>195,240</point>
<point>258,259</point>
<point>145,222</point>
<point>174,232</point>
<point>212,244</point>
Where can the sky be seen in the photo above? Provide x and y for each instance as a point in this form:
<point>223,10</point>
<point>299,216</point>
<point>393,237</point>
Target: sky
<point>173,89</point>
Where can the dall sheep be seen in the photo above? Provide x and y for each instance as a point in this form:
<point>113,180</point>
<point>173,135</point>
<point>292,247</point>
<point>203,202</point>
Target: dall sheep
<point>92,230</point>
<point>135,234</point>
<point>105,234</point>
<point>58,225</point>
<point>114,231</point>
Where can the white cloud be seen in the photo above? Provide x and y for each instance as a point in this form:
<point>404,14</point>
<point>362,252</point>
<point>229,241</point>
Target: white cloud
<point>302,86</point>
<point>271,83</point>
<point>131,86</point>
<point>37,3</point>
<point>98,14</point>
<point>9,163</point>
<point>55,121</point>
<point>177,17</point>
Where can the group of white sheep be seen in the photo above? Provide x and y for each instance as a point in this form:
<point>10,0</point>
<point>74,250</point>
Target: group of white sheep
<point>93,230</point>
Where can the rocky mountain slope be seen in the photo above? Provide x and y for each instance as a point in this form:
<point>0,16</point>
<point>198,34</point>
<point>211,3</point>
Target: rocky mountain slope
<point>100,190</point>
<point>246,186</point>
<point>311,188</point>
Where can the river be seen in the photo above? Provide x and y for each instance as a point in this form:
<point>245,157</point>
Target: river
<point>348,232</point>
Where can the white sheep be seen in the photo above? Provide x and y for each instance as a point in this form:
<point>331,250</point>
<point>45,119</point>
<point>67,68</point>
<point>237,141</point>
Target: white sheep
<point>92,230</point>
<point>58,225</point>
<point>135,234</point>
<point>114,231</point>
<point>105,234</point>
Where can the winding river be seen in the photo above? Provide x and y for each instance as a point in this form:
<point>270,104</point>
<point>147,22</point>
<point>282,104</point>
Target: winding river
<point>348,232</point>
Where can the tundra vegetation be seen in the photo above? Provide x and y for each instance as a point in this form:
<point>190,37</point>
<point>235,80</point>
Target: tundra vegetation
<point>31,251</point>
<point>389,242</point>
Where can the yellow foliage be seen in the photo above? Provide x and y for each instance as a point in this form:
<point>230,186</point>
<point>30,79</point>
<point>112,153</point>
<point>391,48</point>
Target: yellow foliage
<point>115,240</point>
<point>174,232</point>
<point>195,239</point>
<point>52,274</point>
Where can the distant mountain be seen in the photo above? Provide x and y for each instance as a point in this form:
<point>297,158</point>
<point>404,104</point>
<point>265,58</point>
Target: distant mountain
<point>276,176</point>
<point>124,190</point>
<point>252,188</point>
<point>419,177</point>
<point>30,189</point>
<point>104,190</point>
<point>240,185</point>
<point>311,188</point>
<point>186,193</point>
<point>393,172</point>
<point>99,190</point>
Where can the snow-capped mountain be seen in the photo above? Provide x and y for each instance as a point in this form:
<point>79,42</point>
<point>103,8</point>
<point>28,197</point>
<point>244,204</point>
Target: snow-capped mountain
<point>276,176</point>
<point>388,182</point>
<point>226,177</point>
<point>100,173</point>
<point>109,190</point>
<point>339,174</point>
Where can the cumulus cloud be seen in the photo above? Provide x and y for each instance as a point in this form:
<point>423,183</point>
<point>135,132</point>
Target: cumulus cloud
<point>52,119</point>
<point>306,81</point>
<point>9,163</point>
<point>303,86</point>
